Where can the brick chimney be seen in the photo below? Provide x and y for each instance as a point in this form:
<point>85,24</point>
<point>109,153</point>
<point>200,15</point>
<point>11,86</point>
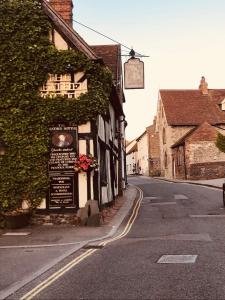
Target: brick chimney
<point>203,87</point>
<point>64,8</point>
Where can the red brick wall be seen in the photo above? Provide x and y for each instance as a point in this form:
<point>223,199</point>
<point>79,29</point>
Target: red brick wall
<point>64,8</point>
<point>206,171</point>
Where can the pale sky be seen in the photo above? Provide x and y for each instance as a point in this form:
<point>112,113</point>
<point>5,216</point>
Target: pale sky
<point>185,40</point>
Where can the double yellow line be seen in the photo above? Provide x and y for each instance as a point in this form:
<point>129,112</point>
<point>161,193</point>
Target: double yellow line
<point>47,282</point>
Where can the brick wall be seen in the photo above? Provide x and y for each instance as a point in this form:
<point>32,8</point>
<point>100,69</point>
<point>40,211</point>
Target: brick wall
<point>210,170</point>
<point>64,8</point>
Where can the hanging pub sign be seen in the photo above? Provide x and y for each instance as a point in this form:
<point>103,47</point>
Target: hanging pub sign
<point>63,150</point>
<point>134,74</point>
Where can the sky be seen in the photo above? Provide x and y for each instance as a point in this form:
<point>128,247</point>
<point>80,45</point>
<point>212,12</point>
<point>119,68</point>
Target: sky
<point>184,39</point>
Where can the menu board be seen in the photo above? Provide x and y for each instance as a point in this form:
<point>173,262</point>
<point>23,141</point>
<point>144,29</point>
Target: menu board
<point>62,191</point>
<point>63,150</point>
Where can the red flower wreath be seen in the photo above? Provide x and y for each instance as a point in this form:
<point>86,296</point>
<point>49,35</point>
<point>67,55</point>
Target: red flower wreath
<point>85,163</point>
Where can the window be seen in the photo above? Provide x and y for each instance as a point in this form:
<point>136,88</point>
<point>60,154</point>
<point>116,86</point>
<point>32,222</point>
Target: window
<point>164,136</point>
<point>165,160</point>
<point>223,105</point>
<point>103,172</point>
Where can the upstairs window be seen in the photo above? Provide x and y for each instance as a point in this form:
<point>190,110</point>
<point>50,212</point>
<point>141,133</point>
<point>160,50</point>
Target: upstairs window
<point>68,85</point>
<point>223,104</point>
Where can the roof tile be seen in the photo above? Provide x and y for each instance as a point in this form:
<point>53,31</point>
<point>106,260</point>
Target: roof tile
<point>190,107</point>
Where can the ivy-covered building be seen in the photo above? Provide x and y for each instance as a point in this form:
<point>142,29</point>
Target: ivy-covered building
<point>104,137</point>
<point>70,109</point>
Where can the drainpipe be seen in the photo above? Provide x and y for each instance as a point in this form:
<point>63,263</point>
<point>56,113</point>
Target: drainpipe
<point>185,168</point>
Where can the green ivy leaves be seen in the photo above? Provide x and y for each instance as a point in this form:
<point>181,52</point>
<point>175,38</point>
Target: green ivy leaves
<point>26,58</point>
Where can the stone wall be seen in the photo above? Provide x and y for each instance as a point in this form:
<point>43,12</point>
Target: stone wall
<point>201,152</point>
<point>172,135</point>
<point>153,151</point>
<point>55,219</point>
<point>210,170</point>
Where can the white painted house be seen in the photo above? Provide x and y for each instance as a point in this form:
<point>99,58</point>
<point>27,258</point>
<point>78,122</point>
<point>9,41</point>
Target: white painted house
<point>142,154</point>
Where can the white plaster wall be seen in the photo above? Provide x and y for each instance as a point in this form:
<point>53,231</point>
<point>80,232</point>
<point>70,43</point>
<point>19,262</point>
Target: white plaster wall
<point>60,43</point>
<point>84,128</point>
<point>143,155</point>
<point>82,178</point>
<point>130,161</point>
<point>101,128</point>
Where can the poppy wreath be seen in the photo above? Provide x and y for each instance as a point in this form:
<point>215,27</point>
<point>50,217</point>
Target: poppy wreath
<point>85,163</point>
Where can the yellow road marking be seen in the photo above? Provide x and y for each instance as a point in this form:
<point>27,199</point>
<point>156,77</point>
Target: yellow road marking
<point>47,282</point>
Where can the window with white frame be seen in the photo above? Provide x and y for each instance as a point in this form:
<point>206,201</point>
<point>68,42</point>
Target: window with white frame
<point>68,85</point>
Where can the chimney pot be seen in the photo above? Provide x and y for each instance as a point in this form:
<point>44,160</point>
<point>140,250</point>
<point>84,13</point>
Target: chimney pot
<point>203,87</point>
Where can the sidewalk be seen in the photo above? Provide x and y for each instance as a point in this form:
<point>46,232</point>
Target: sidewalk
<point>31,255</point>
<point>216,183</point>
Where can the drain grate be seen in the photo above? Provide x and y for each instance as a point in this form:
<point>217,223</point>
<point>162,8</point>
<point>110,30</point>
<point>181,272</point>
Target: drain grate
<point>93,247</point>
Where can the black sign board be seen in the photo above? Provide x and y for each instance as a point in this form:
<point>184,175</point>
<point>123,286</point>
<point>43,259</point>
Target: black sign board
<point>61,191</point>
<point>63,150</point>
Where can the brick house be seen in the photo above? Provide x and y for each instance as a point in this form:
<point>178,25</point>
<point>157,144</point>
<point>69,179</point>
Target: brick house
<point>103,138</point>
<point>187,123</point>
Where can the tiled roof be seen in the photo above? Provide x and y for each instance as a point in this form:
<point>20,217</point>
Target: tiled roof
<point>133,149</point>
<point>111,57</point>
<point>203,132</point>
<point>138,139</point>
<point>190,107</point>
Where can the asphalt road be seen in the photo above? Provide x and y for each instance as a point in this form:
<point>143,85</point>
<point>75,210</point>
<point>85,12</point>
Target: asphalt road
<point>174,219</point>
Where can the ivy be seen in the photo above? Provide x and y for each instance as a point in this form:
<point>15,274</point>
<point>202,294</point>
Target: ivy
<point>220,142</point>
<point>26,58</point>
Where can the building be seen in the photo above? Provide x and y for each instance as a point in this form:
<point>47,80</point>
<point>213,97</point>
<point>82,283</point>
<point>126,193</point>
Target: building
<point>103,138</point>
<point>137,156</point>
<point>187,123</point>
<point>132,158</point>
<point>142,154</point>
<point>153,150</point>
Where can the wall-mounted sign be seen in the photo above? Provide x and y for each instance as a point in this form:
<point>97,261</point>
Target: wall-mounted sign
<point>61,191</point>
<point>63,150</point>
<point>134,74</point>
<point>63,144</point>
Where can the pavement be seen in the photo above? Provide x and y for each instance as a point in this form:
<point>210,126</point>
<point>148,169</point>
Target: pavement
<point>216,183</point>
<point>25,257</point>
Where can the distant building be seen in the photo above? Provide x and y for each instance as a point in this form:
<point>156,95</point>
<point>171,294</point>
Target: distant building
<point>188,122</point>
<point>131,158</point>
<point>153,150</point>
<point>142,154</point>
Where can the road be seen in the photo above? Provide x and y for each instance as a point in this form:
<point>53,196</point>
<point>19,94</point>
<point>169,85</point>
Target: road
<point>184,221</point>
